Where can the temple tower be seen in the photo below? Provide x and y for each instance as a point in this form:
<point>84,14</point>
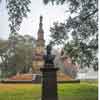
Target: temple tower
<point>38,61</point>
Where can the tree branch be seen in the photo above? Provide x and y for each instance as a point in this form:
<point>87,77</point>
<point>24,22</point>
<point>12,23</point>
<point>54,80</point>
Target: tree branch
<point>96,10</point>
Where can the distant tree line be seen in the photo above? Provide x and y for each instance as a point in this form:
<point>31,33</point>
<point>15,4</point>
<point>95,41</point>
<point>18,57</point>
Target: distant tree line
<point>16,56</point>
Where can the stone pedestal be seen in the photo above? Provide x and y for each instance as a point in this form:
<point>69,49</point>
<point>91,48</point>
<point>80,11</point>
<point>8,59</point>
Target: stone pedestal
<point>49,83</point>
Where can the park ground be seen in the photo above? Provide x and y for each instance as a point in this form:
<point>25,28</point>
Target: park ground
<point>66,91</point>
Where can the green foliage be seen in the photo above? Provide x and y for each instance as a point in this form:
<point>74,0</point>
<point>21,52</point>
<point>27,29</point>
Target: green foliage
<point>72,50</point>
<point>21,48</point>
<point>82,26</point>
<point>17,10</point>
<point>17,55</point>
<point>58,33</point>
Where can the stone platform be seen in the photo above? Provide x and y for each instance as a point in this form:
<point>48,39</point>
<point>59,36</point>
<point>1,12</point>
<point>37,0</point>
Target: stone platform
<point>35,78</point>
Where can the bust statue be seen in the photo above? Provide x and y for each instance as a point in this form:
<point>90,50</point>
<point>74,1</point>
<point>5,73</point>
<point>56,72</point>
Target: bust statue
<point>49,58</point>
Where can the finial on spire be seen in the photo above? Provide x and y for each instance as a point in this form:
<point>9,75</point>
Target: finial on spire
<point>40,25</point>
<point>41,19</point>
<point>40,30</point>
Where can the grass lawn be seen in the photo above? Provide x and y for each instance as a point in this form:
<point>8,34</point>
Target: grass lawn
<point>74,91</point>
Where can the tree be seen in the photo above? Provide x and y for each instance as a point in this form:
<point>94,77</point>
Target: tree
<point>24,52</point>
<point>19,60</point>
<point>17,10</point>
<point>83,28</point>
<point>3,49</point>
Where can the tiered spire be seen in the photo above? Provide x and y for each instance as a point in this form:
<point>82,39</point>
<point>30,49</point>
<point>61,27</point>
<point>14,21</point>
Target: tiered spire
<point>40,25</point>
<point>40,31</point>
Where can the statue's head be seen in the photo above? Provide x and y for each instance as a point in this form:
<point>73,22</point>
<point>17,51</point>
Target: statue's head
<point>49,48</point>
<point>49,58</point>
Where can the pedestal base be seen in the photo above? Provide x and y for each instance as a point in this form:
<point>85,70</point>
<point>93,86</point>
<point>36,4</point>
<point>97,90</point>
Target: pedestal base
<point>49,84</point>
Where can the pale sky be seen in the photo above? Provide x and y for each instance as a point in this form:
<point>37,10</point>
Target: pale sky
<point>30,24</point>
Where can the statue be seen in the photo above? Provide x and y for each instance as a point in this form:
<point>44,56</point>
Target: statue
<point>49,78</point>
<point>49,58</point>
